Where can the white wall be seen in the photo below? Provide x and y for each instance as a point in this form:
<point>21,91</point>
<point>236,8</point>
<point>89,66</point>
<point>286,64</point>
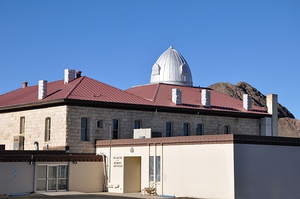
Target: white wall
<point>16,177</point>
<point>267,171</point>
<point>202,171</point>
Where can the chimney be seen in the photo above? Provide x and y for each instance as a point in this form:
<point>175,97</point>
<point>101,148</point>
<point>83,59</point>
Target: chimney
<point>42,89</point>
<point>176,95</point>
<point>78,74</point>
<point>272,107</point>
<point>247,102</point>
<point>205,97</point>
<point>24,85</point>
<point>69,75</point>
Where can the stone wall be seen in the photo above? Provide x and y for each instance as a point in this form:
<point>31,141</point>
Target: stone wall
<point>34,128</point>
<point>154,120</point>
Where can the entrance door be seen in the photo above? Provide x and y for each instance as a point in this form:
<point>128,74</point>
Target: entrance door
<point>51,177</point>
<point>132,174</point>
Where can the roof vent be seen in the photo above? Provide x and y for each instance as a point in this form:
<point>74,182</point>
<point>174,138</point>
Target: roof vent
<point>247,102</point>
<point>42,92</point>
<point>78,74</point>
<point>176,95</point>
<point>69,75</point>
<point>205,97</point>
<point>24,85</point>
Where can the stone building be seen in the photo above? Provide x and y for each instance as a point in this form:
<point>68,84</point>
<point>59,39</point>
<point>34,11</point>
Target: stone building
<point>74,112</point>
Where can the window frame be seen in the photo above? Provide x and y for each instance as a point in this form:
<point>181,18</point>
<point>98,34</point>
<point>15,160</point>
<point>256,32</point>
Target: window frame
<point>115,134</point>
<point>47,129</point>
<point>22,125</point>
<point>84,130</point>
<point>227,129</point>
<point>169,129</point>
<point>137,124</point>
<point>186,129</point>
<point>200,129</point>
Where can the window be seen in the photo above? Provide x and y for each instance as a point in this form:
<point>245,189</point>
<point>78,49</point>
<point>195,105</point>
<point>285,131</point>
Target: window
<point>22,125</point>
<point>137,124</point>
<point>154,169</point>
<point>52,177</point>
<point>226,129</point>
<point>155,69</point>
<point>84,129</point>
<point>47,129</point>
<point>200,129</point>
<point>169,129</point>
<point>186,129</point>
<point>19,142</point>
<point>115,129</point>
<point>100,124</point>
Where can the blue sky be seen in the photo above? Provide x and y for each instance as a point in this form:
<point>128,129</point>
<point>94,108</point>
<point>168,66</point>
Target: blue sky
<point>117,42</point>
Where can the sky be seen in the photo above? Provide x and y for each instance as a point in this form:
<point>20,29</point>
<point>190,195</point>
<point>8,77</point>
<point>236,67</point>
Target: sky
<point>117,42</point>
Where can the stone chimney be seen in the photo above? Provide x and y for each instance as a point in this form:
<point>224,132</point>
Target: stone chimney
<point>176,96</point>
<point>69,75</point>
<point>247,102</point>
<point>272,107</point>
<point>42,89</point>
<point>24,85</point>
<point>205,97</point>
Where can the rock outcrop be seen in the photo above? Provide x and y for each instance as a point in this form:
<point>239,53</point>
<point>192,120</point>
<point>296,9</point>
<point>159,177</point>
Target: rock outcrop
<point>288,126</point>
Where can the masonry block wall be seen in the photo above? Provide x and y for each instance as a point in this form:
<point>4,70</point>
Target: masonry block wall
<point>155,120</point>
<point>34,128</point>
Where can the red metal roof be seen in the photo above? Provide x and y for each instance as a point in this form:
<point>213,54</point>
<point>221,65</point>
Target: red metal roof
<point>161,95</point>
<point>83,88</point>
<point>152,95</point>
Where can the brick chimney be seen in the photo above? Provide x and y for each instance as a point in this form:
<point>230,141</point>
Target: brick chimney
<point>78,74</point>
<point>272,107</point>
<point>176,96</point>
<point>24,85</point>
<point>247,102</point>
<point>69,75</point>
<point>205,97</point>
<point>42,89</point>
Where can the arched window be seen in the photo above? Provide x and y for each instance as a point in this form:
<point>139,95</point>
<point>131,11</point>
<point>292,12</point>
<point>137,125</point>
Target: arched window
<point>227,129</point>
<point>47,129</point>
<point>184,70</point>
<point>186,129</point>
<point>200,129</point>
<point>155,69</point>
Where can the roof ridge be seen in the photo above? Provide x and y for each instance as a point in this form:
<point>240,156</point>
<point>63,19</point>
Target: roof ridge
<point>75,86</point>
<point>156,92</point>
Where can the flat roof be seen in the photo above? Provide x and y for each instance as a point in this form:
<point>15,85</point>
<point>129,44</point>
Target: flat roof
<point>203,139</point>
<point>47,156</point>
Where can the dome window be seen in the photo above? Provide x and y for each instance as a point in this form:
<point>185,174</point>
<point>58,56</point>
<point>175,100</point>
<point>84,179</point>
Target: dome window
<point>156,69</point>
<point>184,70</point>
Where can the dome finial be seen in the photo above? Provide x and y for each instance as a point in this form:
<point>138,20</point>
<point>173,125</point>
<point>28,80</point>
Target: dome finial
<point>171,47</point>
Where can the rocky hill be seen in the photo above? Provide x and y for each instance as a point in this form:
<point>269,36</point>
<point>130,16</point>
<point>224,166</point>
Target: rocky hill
<point>288,126</point>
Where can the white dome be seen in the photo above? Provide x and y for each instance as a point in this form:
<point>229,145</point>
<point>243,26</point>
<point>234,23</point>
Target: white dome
<point>171,68</point>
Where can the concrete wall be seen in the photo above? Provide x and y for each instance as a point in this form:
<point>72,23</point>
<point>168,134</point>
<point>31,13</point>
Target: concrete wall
<point>201,171</point>
<point>34,127</point>
<point>16,177</point>
<point>266,171</point>
<point>86,177</point>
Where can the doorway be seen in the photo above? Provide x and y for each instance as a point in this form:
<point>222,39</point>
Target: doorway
<point>52,178</point>
<point>132,174</point>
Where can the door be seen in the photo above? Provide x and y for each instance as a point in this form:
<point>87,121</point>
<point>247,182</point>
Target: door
<point>132,174</point>
<point>51,177</point>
